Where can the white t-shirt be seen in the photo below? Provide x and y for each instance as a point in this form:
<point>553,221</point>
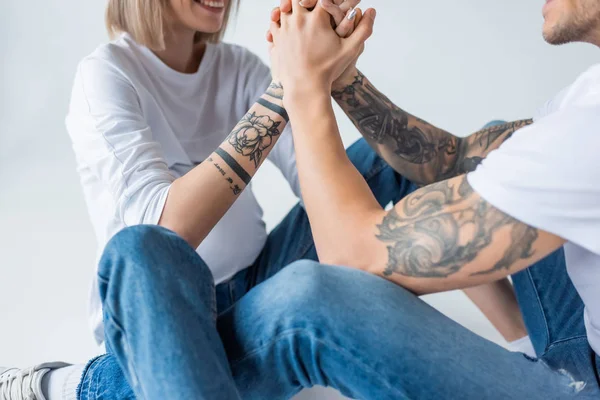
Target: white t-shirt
<point>137,125</point>
<point>548,176</point>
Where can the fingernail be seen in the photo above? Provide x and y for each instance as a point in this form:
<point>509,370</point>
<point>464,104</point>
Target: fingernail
<point>302,3</point>
<point>352,14</point>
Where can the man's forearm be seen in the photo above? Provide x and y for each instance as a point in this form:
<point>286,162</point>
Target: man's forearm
<point>416,149</point>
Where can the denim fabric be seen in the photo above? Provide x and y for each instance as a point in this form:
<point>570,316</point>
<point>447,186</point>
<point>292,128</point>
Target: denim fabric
<point>147,307</point>
<point>272,331</point>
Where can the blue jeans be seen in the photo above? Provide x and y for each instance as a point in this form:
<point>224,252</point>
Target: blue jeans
<point>273,331</point>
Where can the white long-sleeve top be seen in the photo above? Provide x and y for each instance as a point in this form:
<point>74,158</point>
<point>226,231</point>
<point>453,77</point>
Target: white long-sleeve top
<point>137,125</point>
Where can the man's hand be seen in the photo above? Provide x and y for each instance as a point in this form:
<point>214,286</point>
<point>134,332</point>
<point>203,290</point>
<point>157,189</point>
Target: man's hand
<point>307,54</point>
<point>345,17</point>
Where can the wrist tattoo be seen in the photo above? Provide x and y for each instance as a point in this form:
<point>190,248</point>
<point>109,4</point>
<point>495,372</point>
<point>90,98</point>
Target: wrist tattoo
<point>234,165</point>
<point>275,90</point>
<point>274,107</point>
<point>253,135</point>
<point>348,94</point>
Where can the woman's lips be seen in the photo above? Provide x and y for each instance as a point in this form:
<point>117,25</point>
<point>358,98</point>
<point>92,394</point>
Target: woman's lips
<point>214,6</point>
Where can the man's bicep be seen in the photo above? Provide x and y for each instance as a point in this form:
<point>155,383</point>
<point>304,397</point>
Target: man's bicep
<point>445,236</point>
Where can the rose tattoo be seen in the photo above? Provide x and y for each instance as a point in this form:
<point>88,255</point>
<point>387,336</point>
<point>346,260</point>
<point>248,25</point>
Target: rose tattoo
<point>253,135</point>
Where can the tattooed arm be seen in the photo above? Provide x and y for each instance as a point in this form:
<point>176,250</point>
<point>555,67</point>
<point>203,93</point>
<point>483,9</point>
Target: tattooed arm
<point>426,154</point>
<point>442,237</point>
<point>198,200</point>
<point>418,150</point>
<point>445,236</point>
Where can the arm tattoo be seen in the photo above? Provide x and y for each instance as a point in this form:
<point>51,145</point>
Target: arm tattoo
<point>234,165</point>
<point>234,188</point>
<point>275,90</point>
<point>484,141</point>
<point>424,241</point>
<point>422,152</point>
<point>488,137</point>
<point>253,135</point>
<point>413,147</point>
<point>275,108</point>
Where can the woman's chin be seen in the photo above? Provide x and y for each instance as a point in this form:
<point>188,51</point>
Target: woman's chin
<point>208,27</point>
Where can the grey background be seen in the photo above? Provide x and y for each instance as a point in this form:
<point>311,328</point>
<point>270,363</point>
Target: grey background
<point>457,64</point>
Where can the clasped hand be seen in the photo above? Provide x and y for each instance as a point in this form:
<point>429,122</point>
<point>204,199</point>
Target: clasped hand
<point>307,54</point>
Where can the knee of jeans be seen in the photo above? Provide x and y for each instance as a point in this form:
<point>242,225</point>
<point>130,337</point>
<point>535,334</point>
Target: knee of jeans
<point>144,251</point>
<point>305,286</point>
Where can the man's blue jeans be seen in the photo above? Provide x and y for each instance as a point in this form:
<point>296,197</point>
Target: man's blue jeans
<point>272,331</point>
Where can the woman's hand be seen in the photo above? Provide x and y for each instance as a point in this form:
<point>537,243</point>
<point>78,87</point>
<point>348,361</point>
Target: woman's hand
<point>345,17</point>
<point>308,55</point>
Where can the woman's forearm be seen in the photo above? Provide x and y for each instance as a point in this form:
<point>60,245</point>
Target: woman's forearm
<point>498,303</point>
<point>198,200</point>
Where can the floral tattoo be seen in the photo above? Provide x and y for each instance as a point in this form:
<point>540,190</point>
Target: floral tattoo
<point>253,135</point>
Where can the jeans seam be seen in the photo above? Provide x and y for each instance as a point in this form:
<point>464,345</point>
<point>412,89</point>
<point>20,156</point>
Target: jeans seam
<point>543,312</point>
<point>561,341</point>
<point>81,388</point>
<point>96,386</point>
<point>311,336</point>
<point>124,335</point>
<point>113,319</point>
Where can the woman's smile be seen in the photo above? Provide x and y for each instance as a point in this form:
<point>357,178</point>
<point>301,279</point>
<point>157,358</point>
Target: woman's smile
<point>216,6</point>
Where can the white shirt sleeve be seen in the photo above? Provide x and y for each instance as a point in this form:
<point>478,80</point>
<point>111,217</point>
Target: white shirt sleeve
<point>111,137</point>
<point>283,155</point>
<point>547,176</point>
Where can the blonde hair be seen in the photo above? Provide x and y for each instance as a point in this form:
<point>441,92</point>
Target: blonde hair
<point>145,21</point>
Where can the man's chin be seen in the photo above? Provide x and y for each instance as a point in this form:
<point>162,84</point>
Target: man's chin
<point>557,37</point>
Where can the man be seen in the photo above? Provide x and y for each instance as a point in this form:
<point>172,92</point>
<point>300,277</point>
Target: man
<point>537,193</point>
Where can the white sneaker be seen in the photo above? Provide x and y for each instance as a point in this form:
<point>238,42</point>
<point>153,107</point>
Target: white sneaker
<point>25,384</point>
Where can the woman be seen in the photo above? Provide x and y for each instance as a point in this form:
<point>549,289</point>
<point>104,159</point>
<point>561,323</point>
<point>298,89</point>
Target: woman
<point>148,111</point>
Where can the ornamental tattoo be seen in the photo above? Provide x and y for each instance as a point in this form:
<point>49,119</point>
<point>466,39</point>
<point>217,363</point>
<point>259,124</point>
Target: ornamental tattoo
<point>427,242</point>
<point>253,135</point>
<point>422,152</point>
